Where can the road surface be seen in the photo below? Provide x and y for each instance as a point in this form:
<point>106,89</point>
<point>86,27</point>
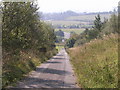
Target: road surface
<point>55,73</point>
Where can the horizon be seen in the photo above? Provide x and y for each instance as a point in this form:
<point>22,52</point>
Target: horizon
<point>75,12</point>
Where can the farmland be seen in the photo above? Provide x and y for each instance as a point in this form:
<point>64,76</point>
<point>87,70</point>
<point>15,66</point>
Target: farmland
<point>88,17</point>
<point>76,22</point>
<point>77,31</point>
<point>57,22</point>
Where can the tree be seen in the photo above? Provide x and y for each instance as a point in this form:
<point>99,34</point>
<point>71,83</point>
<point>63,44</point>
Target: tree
<point>70,42</point>
<point>114,23</point>
<point>20,24</point>
<point>59,33</point>
<point>97,23</point>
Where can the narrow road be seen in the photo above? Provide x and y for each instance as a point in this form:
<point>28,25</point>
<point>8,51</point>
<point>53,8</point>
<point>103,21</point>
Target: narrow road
<point>55,73</point>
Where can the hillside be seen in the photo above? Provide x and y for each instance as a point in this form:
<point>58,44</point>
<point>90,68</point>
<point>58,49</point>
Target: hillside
<point>96,63</point>
<point>88,17</point>
<point>66,15</point>
<point>58,16</point>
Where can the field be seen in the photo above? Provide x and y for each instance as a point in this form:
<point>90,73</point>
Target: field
<point>88,17</point>
<point>59,46</point>
<point>77,31</point>
<point>96,63</point>
<point>67,23</point>
<point>77,20</point>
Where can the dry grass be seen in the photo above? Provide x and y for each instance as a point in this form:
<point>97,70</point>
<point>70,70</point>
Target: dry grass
<point>96,63</point>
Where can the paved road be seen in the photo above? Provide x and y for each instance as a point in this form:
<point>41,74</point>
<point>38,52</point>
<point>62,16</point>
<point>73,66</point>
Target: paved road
<point>55,73</point>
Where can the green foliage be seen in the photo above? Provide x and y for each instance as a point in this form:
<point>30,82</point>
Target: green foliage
<point>59,36</point>
<point>87,35</point>
<point>99,30</point>
<point>59,33</point>
<point>23,35</point>
<point>97,23</point>
<point>70,42</point>
<point>114,23</point>
<point>96,63</point>
<point>59,39</point>
<point>19,24</point>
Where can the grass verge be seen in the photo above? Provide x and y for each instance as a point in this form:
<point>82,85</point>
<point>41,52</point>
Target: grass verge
<point>96,63</point>
<point>17,65</point>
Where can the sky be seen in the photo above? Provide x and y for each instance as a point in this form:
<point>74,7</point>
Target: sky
<point>50,6</point>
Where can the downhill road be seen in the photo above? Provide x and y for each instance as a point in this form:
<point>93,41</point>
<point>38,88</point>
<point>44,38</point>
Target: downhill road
<point>55,73</point>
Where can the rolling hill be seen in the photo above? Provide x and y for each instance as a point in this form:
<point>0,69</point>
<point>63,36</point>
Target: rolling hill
<point>71,19</point>
<point>71,15</point>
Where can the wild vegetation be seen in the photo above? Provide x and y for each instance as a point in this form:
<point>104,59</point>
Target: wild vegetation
<point>96,63</point>
<point>26,41</point>
<point>95,54</point>
<point>100,29</point>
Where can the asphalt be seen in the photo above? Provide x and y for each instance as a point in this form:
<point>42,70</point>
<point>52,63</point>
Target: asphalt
<point>55,73</point>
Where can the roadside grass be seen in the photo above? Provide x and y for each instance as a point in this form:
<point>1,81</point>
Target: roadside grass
<point>17,66</point>
<point>96,63</point>
<point>77,31</point>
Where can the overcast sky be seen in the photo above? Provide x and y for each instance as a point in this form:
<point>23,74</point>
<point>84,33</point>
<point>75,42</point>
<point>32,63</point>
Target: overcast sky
<point>77,5</point>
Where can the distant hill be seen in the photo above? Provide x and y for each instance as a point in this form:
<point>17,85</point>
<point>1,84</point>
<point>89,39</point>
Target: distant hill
<point>71,19</point>
<point>58,16</point>
<point>67,14</point>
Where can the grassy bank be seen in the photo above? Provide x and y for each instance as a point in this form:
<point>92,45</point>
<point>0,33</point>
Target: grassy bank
<point>96,63</point>
<point>16,67</point>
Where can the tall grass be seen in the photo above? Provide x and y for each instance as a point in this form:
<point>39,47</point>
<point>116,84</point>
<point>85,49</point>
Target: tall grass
<point>17,65</point>
<point>96,63</point>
